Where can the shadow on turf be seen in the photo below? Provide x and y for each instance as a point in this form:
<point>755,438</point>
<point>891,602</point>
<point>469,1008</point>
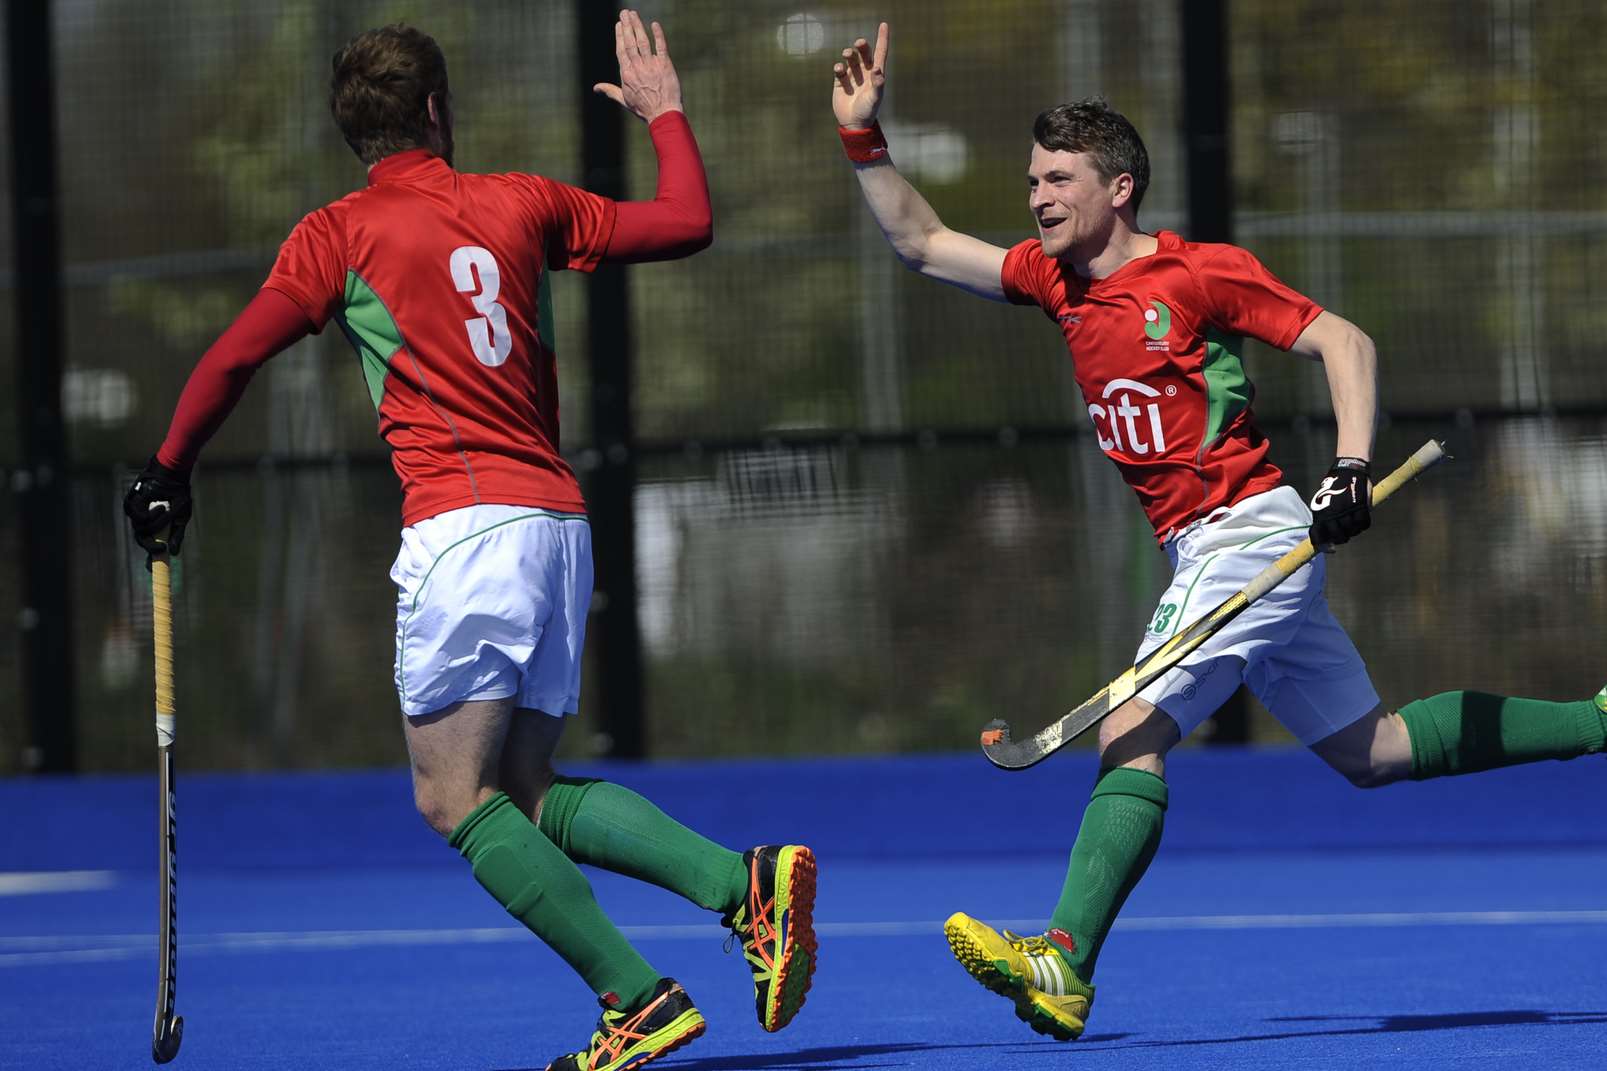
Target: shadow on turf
<point>1391,1024</point>
<point>1384,1024</point>
<point>822,1059</point>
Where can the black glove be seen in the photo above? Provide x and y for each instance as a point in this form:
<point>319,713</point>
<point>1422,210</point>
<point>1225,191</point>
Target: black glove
<point>1342,506</point>
<point>159,499</point>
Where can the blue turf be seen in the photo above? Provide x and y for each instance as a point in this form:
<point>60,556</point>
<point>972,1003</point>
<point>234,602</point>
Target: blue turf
<point>1207,969</point>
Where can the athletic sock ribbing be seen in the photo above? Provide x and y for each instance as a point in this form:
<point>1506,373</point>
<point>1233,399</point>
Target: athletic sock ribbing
<point>542,888</point>
<point>1120,831</point>
<point>609,826</point>
<point>1464,732</point>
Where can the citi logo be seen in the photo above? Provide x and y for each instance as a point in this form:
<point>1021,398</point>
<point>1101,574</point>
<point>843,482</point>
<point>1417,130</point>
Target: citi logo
<point>1121,412</point>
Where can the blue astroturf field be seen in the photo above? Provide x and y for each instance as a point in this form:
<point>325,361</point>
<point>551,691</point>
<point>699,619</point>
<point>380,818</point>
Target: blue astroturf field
<point>1289,920</point>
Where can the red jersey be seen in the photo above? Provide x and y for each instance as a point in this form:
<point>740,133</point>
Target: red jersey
<point>1155,347</point>
<point>435,278</point>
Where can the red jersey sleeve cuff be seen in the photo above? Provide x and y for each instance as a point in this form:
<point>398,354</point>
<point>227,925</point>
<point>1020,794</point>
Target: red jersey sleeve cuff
<point>1303,321</point>
<point>315,311</point>
<point>594,256</point>
<point>1015,271</point>
<point>668,121</point>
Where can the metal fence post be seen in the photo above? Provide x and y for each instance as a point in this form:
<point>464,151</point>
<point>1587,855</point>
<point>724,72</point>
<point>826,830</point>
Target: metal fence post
<point>43,482</point>
<point>616,629</point>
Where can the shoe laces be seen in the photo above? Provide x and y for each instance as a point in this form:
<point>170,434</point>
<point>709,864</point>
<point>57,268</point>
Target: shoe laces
<point>1029,946</point>
<point>615,1031</point>
<point>751,924</point>
<point>734,924</point>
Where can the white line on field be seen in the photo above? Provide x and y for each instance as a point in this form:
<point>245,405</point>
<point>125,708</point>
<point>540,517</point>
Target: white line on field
<point>100,948</point>
<point>23,882</point>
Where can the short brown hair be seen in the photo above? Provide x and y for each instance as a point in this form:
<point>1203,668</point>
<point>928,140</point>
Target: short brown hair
<point>1094,127</point>
<point>380,91</point>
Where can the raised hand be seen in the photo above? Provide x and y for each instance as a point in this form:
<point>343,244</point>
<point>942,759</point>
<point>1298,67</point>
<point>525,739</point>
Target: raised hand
<point>648,85</point>
<point>858,78</point>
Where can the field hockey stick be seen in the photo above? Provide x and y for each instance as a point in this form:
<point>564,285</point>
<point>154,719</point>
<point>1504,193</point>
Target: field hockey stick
<point>1010,754</point>
<point>168,1030</point>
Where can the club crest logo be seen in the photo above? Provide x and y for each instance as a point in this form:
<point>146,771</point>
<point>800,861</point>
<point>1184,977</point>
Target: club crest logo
<point>1157,320</point>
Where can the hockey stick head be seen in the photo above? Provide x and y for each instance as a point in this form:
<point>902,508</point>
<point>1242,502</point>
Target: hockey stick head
<point>1006,753</point>
<point>165,1043</point>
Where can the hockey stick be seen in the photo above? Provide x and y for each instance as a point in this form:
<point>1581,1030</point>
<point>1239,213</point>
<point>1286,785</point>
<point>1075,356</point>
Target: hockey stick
<point>168,1030</point>
<point>1011,754</point>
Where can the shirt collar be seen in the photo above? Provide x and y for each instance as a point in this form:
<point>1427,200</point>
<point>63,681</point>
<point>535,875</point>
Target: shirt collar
<point>410,164</point>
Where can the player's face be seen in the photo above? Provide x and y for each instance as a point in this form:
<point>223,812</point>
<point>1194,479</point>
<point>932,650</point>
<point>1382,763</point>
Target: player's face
<point>1074,207</point>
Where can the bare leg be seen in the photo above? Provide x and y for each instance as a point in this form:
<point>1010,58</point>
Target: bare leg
<point>455,754</point>
<point>1137,736</point>
<point>1462,732</point>
<point>525,766</point>
<point>1374,750</point>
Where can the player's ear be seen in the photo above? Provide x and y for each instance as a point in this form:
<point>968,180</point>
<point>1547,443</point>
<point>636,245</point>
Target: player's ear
<point>1121,190</point>
<point>439,105</point>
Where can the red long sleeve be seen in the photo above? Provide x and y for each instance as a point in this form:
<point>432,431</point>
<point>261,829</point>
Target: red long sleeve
<point>678,221</point>
<point>269,324</point>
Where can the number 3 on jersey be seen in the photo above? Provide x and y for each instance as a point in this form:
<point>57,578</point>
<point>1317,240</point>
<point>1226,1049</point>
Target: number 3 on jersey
<point>488,332</point>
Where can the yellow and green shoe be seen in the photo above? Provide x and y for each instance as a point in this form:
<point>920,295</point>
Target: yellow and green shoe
<point>776,925</point>
<point>1601,701</point>
<point>629,1038</point>
<point>1028,970</point>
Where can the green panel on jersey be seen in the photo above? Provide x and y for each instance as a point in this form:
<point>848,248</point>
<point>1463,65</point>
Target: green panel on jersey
<point>544,314</point>
<point>1228,390</point>
<point>371,331</point>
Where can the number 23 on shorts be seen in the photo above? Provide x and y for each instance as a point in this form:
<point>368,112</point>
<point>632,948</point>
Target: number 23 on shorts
<point>1163,617</point>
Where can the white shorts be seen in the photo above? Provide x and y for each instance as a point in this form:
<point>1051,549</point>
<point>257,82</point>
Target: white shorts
<point>1287,648</point>
<point>491,602</point>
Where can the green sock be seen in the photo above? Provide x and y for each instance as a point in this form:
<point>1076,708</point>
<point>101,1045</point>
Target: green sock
<point>609,826</point>
<point>1120,831</point>
<point>527,874</point>
<point>1463,732</point>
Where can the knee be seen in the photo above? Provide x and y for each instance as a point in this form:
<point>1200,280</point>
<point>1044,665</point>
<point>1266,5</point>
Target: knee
<point>1371,752</point>
<point>442,807</point>
<point>433,810</point>
<point>1371,776</point>
<point>1138,736</point>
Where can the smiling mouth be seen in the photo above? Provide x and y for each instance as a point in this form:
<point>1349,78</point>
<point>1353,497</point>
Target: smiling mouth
<point>1050,223</point>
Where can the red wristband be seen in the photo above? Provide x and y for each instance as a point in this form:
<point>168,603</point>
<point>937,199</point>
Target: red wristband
<point>863,146</point>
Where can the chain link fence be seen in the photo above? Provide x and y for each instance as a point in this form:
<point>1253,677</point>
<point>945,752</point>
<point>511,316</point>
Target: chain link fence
<point>870,516</point>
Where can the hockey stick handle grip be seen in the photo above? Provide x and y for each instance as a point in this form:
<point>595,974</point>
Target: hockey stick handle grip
<point>162,637</point>
<point>1428,455</point>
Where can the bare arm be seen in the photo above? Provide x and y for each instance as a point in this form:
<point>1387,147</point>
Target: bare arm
<point>1350,361</point>
<point>912,228</point>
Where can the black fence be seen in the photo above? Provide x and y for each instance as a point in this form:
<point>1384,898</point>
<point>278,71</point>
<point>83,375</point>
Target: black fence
<point>864,511</point>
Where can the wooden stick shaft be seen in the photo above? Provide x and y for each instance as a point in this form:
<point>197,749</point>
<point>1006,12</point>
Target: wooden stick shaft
<point>162,635</point>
